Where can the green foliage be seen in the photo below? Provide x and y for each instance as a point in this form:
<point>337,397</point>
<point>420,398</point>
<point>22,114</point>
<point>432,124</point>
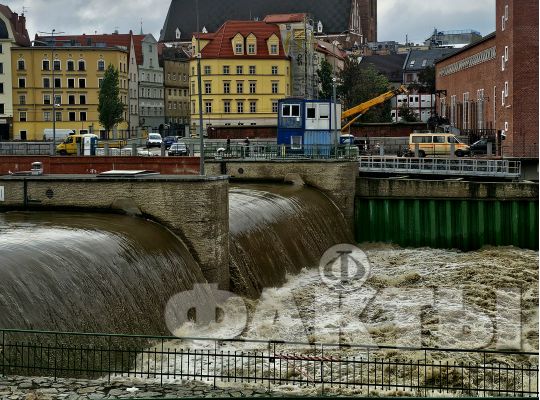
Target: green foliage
<point>360,83</point>
<point>407,114</point>
<point>325,74</point>
<point>110,107</point>
<point>426,81</point>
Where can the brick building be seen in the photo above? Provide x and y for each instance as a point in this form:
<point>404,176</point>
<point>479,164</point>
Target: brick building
<point>492,85</point>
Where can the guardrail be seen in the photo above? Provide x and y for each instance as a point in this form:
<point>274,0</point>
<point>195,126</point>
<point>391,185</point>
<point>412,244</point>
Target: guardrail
<point>442,166</point>
<point>369,369</point>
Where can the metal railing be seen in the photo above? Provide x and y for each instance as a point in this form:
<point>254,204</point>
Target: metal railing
<point>442,166</point>
<point>273,151</point>
<point>26,148</point>
<point>369,369</point>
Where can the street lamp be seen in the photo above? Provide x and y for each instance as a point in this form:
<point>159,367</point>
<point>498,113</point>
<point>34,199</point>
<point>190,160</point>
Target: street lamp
<point>51,34</point>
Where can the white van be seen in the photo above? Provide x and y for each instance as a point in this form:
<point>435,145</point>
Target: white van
<point>60,134</point>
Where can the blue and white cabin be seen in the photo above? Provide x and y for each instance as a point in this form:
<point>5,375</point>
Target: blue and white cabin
<point>307,126</point>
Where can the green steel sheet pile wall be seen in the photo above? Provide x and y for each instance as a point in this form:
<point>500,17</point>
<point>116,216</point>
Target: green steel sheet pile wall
<point>461,224</point>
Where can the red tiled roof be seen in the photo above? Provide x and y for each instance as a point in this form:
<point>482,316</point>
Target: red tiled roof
<point>220,45</point>
<point>110,40</point>
<point>283,18</point>
<point>18,26</point>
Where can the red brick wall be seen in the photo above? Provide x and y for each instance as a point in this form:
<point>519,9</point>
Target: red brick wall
<point>522,25</point>
<point>93,165</point>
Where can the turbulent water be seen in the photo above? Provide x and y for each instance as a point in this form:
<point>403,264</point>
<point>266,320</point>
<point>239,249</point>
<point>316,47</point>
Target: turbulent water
<point>278,230</point>
<point>89,272</point>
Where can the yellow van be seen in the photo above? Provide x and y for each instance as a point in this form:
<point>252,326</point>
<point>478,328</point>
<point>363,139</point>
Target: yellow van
<point>437,144</point>
<point>69,145</point>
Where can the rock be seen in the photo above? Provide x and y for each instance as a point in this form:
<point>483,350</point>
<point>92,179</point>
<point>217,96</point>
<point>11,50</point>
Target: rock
<point>116,392</point>
<point>26,385</point>
<point>87,390</point>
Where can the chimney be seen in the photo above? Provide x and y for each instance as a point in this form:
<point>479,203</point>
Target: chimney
<point>22,24</point>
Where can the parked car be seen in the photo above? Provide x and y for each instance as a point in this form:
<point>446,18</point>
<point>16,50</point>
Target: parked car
<point>178,149</point>
<point>479,147</point>
<point>437,144</point>
<point>169,140</point>
<point>154,140</point>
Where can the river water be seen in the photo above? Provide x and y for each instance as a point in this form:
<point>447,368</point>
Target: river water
<point>112,273</point>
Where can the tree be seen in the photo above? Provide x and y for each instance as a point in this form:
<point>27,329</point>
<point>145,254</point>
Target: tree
<point>325,74</point>
<point>360,83</point>
<point>407,114</point>
<point>426,81</point>
<point>110,107</point>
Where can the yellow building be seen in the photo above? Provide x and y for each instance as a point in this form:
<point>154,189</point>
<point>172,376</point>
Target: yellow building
<point>244,72</point>
<point>77,75</point>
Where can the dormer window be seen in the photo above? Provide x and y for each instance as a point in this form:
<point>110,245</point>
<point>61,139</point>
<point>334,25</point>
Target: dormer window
<point>273,49</point>
<point>239,48</point>
<point>251,49</point>
<point>238,44</point>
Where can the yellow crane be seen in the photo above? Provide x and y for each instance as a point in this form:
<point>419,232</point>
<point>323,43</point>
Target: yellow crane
<point>360,109</point>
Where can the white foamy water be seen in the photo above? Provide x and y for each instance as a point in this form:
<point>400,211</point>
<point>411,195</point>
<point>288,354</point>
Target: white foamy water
<point>486,299</point>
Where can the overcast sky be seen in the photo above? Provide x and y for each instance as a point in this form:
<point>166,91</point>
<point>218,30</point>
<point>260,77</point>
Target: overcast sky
<point>396,18</point>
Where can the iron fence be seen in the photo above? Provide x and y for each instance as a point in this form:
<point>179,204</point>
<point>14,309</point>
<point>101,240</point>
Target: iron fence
<point>26,148</point>
<point>442,166</point>
<point>270,364</point>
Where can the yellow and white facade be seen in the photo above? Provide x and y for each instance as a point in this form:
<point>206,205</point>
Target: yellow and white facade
<point>244,73</point>
<point>77,76</point>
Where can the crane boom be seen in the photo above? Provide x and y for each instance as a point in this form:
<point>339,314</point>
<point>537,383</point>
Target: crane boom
<point>362,108</point>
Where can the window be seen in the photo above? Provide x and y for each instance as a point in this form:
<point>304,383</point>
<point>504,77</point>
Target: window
<point>324,111</point>
<point>101,65</point>
<point>207,70</point>
<point>22,116</point>
<point>310,112</point>
<point>296,142</point>
<point>502,22</point>
<point>506,12</point>
<point>71,99</point>
<point>506,89</point>
<point>438,139</point>
<point>422,139</point>
<point>192,87</point>
<point>46,83</point>
<point>21,65</point>
<point>57,82</point>
<point>466,110</point>
<point>252,106</point>
<point>45,65</point>
<point>22,99</point>
<point>275,88</point>
<point>207,87</point>
<point>46,116</point>
<point>82,83</point>
<point>226,107</point>
<point>273,49</point>
<point>240,107</point>
<point>56,65</point>
<point>82,99</point>
<point>58,99</point>
<point>58,116</point>
<point>71,115</point>
<point>208,107</point>
<point>274,106</point>
<point>192,70</point>
<point>505,53</point>
<point>22,82</point>
<point>226,87</point>
<point>100,82</point>
<point>240,87</point>
<point>70,65</point>
<point>252,87</point>
<point>1,68</point>
<point>22,135</point>
<point>251,48</point>
<point>291,110</point>
<point>82,116</point>
<point>71,83</point>
<point>502,63</point>
<point>239,70</point>
<point>274,70</point>
<point>238,48</point>
<point>46,99</point>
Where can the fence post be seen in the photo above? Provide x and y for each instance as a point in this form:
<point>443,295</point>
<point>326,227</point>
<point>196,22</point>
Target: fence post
<point>489,148</point>
<point>106,149</point>
<point>381,150</point>
<point>452,150</point>
<point>416,150</point>
<point>162,149</point>
<point>134,149</point>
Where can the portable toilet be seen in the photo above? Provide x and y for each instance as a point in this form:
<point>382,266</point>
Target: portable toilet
<point>306,127</point>
<point>89,145</point>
